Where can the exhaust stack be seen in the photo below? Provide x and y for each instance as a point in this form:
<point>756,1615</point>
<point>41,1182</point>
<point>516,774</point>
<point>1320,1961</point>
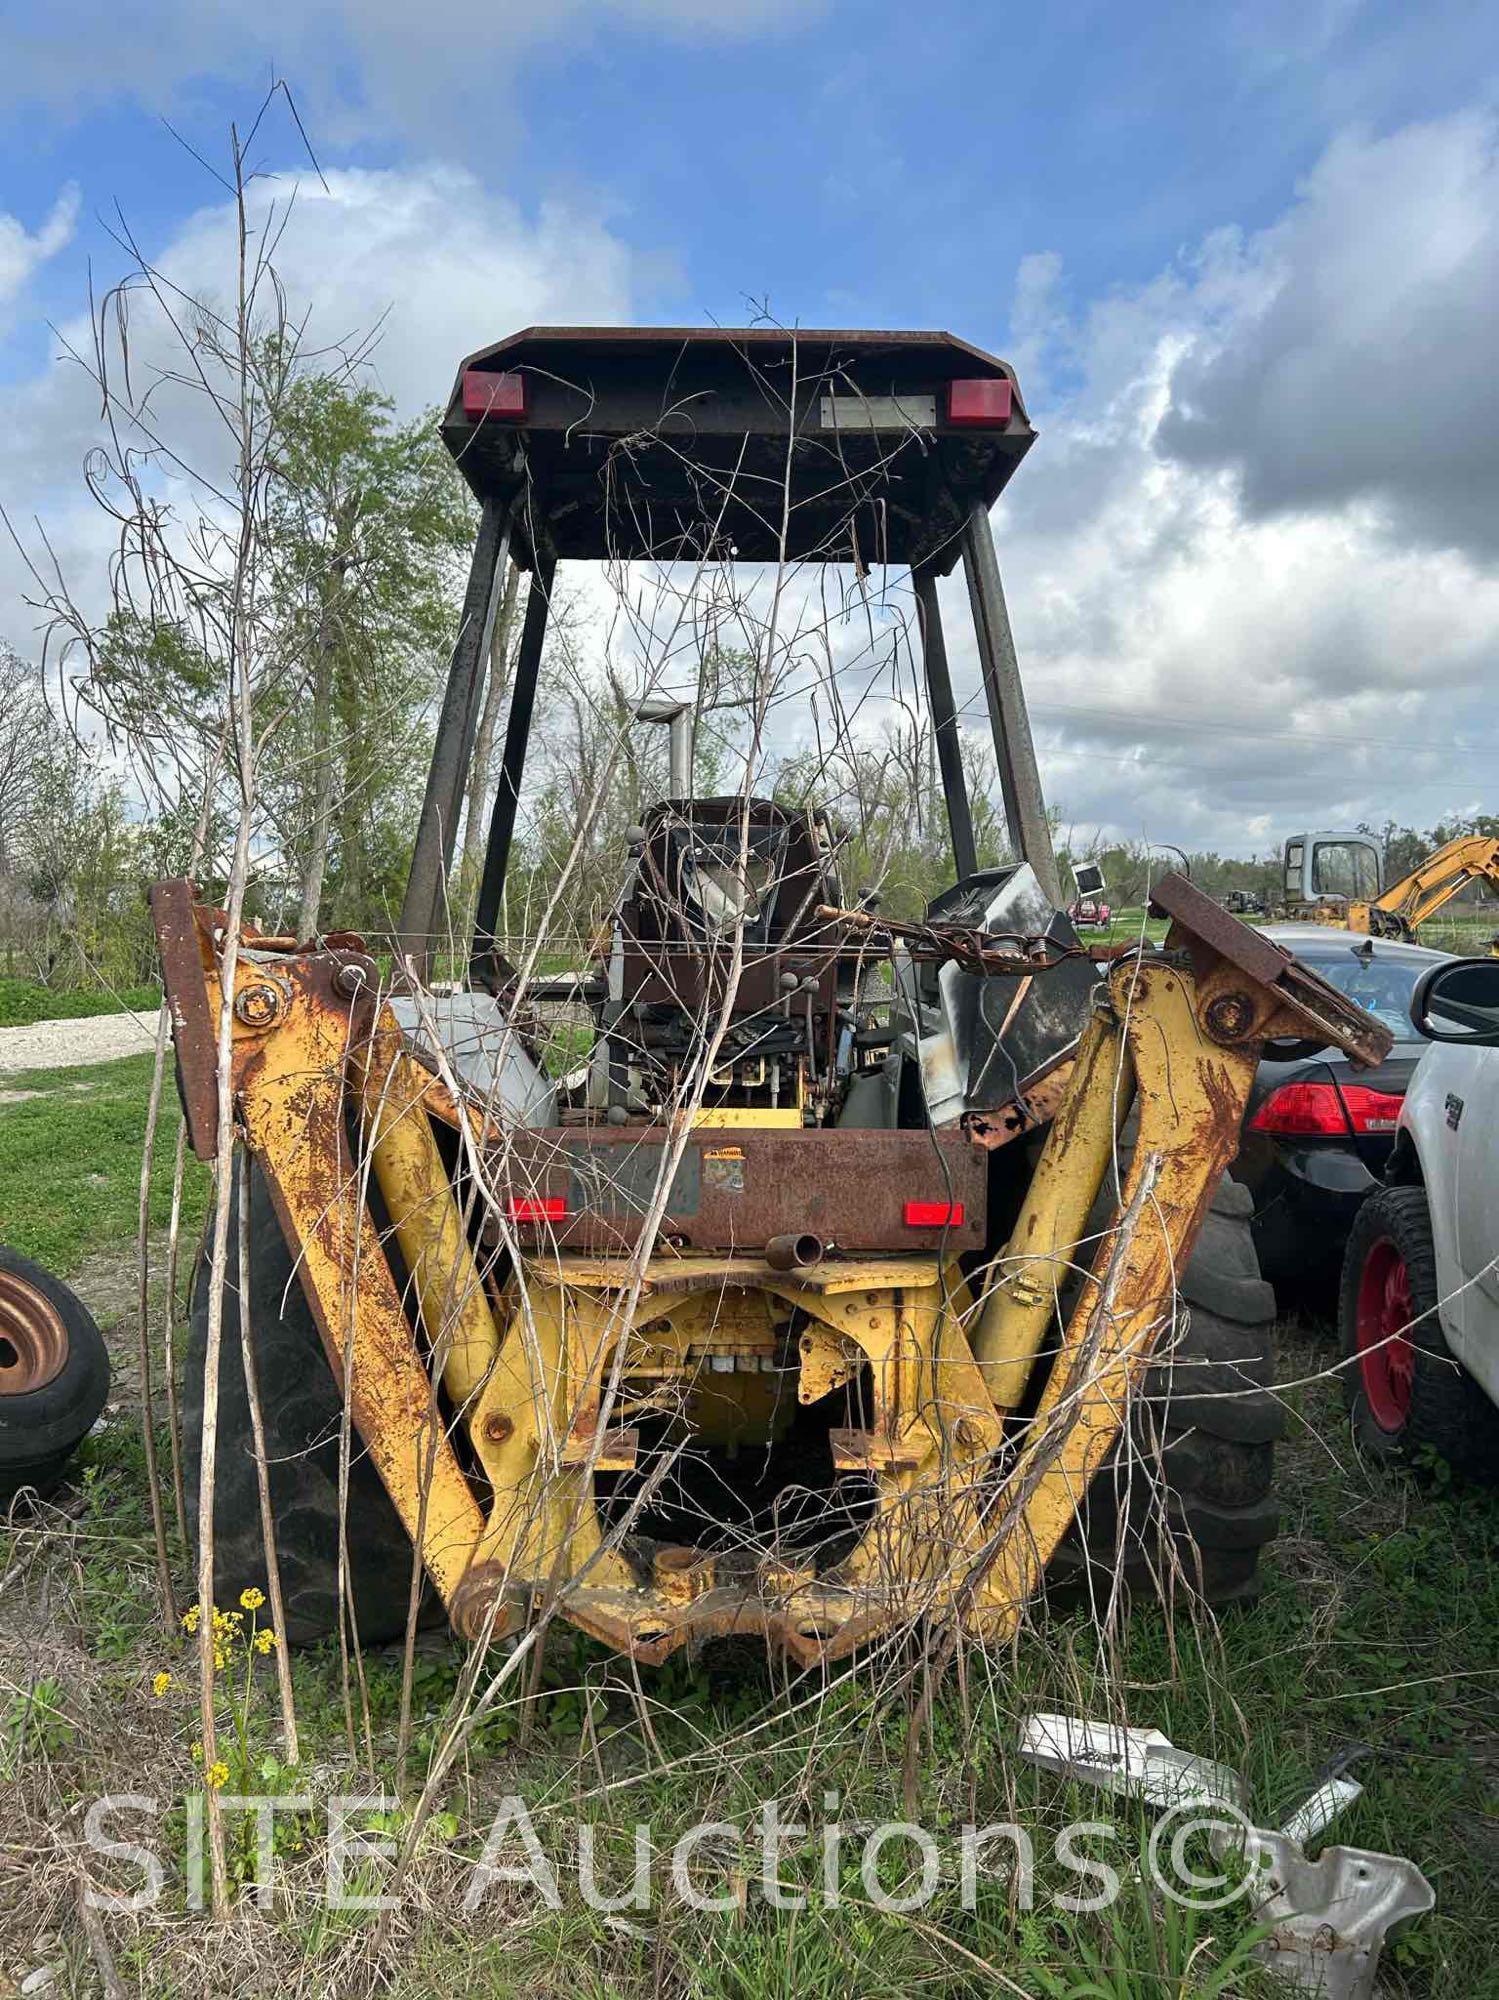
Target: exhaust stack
<point>677,715</point>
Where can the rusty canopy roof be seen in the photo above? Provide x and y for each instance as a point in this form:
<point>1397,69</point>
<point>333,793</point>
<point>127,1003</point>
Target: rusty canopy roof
<point>691,444</point>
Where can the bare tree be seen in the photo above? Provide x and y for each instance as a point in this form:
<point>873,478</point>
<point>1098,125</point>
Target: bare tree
<point>26,729</point>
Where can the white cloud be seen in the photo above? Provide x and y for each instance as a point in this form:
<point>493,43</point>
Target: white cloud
<point>1252,559</point>
<point>1365,366</point>
<point>1204,666</point>
<point>438,262</point>
<point>439,68</point>
<point>22,251</point>
<point>429,255</point>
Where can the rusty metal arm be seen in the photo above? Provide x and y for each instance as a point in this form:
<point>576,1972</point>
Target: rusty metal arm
<point>1020,1302</point>
<point>293,1035</point>
<point>1194,1022</point>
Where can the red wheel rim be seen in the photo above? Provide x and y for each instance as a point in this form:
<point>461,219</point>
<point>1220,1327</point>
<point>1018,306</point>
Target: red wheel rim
<point>1386,1359</point>
<point>33,1339</point>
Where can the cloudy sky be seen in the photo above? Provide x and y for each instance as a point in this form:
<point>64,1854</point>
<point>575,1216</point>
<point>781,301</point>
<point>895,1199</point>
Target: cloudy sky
<point>1245,258</point>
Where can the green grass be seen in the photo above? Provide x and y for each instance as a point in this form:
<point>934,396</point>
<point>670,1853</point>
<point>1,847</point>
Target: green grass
<point>1463,934</point>
<point>70,1161</point>
<point>23,1001</point>
<point>1376,1624</point>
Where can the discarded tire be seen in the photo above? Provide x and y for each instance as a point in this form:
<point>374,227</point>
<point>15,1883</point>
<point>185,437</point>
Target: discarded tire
<point>302,1412</point>
<point>1187,1501</point>
<point>1406,1392</point>
<point>54,1376</point>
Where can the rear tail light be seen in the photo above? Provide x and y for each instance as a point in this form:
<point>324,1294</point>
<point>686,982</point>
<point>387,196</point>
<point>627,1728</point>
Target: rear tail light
<point>536,1208</point>
<point>1313,1109</point>
<point>933,1214</point>
<point>986,400</point>
<point>487,394</point>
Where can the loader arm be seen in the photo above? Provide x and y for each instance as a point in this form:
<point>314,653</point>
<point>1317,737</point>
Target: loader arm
<point>500,1390</point>
<point>1418,896</point>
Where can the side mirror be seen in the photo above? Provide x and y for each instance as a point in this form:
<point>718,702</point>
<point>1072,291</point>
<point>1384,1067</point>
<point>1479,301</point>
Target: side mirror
<point>1459,1002</point>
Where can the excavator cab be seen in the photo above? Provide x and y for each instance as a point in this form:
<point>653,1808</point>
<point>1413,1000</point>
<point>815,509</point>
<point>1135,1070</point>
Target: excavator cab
<point>1338,878</point>
<point>1322,870</point>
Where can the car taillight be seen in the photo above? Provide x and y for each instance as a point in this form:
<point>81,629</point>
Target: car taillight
<point>487,394</point>
<point>933,1214</point>
<point>1310,1109</point>
<point>986,400</point>
<point>536,1208</point>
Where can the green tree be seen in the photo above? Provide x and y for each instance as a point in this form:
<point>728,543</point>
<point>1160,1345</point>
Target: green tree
<point>367,522</point>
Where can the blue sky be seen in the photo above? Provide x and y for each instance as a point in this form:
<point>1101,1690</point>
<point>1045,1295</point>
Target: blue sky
<point>1212,237</point>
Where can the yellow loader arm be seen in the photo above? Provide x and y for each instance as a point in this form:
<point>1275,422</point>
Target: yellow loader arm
<point>1417,897</point>
<point>500,1388</point>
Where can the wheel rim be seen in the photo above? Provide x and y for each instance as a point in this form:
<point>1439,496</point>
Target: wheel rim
<point>33,1339</point>
<point>1386,1359</point>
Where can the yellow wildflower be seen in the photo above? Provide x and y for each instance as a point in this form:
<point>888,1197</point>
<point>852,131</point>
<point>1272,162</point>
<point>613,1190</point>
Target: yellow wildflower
<point>217,1775</point>
<point>252,1599</point>
<point>197,1753</point>
<point>190,1618</point>
<point>265,1639</point>
<point>161,1683</point>
<point>221,1657</point>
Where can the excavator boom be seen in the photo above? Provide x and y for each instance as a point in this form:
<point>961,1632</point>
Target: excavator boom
<point>1417,897</point>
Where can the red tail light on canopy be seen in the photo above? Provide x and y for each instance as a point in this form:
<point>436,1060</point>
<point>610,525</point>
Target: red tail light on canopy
<point>488,393</point>
<point>984,400</point>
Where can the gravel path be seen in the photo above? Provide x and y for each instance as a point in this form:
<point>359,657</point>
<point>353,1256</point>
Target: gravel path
<point>70,1044</point>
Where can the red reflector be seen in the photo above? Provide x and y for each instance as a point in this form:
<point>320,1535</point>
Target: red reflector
<point>1311,1109</point>
<point>486,394</point>
<point>985,401</point>
<point>933,1214</point>
<point>536,1208</point>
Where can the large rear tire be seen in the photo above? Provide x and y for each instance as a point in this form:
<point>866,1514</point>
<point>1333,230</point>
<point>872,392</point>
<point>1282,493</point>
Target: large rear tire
<point>302,1410</point>
<point>1187,1501</point>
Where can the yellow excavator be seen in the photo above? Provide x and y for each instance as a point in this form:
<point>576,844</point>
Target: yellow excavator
<point>1337,878</point>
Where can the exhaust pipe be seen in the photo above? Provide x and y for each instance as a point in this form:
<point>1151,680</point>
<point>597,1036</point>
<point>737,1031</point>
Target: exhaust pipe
<point>677,715</point>
<point>796,1251</point>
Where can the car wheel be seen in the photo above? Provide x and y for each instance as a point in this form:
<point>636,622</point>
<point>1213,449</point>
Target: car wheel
<point>1406,1391</point>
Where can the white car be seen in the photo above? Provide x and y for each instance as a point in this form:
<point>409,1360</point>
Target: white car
<point>1420,1296</point>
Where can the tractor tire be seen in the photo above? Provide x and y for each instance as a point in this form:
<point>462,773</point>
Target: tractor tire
<point>302,1410</point>
<point>1187,1501</point>
<point>1407,1393</point>
<point>54,1376</point>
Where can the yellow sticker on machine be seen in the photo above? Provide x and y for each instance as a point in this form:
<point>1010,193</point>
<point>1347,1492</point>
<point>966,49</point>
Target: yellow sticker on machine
<point>723,1168</point>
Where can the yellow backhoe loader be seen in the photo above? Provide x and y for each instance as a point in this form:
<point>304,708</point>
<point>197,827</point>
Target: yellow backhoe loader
<point>1336,878</point>
<point>867,1273</point>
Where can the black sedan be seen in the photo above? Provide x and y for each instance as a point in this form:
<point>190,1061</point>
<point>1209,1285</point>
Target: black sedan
<point>1318,1131</point>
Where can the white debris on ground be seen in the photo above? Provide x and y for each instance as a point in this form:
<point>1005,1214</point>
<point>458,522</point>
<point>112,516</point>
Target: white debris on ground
<point>70,1044</point>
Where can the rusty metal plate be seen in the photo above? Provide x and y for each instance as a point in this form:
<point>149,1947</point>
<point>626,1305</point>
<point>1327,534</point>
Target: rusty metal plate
<point>195,1041</point>
<point>1308,1004</point>
<point>736,1188</point>
<point>1175,897</point>
<point>33,1339</point>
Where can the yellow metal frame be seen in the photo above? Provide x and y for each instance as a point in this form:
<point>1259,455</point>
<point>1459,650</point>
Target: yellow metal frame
<point>542,1376</point>
<point>1417,897</point>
